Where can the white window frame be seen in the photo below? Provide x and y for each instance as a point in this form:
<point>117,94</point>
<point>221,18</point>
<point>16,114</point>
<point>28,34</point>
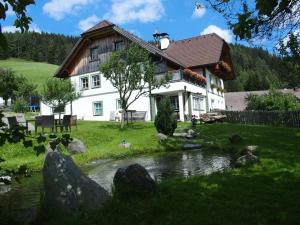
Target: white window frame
<point>81,83</point>
<point>118,104</point>
<point>94,108</point>
<point>96,49</point>
<point>198,103</point>
<point>93,82</point>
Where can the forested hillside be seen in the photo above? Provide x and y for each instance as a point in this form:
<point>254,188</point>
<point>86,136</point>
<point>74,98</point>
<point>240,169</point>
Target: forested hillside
<point>44,47</point>
<point>255,68</point>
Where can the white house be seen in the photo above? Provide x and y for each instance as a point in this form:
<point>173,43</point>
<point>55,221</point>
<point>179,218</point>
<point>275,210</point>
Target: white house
<point>198,65</point>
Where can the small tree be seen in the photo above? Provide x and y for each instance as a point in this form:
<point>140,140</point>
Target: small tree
<point>25,90</point>
<point>8,84</point>
<point>131,72</point>
<point>165,120</point>
<point>57,93</point>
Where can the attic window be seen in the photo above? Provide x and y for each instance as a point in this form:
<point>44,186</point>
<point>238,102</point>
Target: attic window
<point>119,45</point>
<point>94,54</point>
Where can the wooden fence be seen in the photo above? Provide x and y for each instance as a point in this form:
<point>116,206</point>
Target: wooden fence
<point>273,118</point>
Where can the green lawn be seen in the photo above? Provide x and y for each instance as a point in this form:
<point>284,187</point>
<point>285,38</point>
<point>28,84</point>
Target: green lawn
<point>34,71</point>
<point>101,138</point>
<point>266,193</point>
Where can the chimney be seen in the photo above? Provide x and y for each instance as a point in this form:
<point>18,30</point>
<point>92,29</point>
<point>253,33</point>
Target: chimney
<point>162,40</point>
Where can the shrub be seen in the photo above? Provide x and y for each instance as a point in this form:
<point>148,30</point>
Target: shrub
<point>165,120</point>
<point>20,105</point>
<point>274,100</point>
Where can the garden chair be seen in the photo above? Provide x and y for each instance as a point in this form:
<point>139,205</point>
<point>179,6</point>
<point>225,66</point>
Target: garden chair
<point>46,122</point>
<point>66,123</point>
<point>74,121</point>
<point>12,121</point>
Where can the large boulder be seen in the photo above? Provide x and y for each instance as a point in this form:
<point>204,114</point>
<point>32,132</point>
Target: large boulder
<point>67,189</point>
<point>162,137</point>
<point>5,180</point>
<point>191,133</point>
<point>246,160</point>
<point>134,181</point>
<point>235,139</point>
<point>76,146</point>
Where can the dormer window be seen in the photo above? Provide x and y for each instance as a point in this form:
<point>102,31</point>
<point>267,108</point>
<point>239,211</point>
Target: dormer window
<point>119,45</point>
<point>94,53</point>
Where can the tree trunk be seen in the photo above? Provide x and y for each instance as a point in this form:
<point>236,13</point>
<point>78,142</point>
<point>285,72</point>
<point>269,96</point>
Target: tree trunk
<point>123,118</point>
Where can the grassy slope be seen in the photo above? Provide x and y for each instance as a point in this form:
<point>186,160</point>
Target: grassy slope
<point>34,71</point>
<point>267,193</point>
<point>101,138</point>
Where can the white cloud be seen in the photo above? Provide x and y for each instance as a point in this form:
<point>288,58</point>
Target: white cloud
<point>10,12</point>
<point>13,29</point>
<point>225,34</point>
<point>58,9</point>
<point>125,11</point>
<point>88,22</point>
<point>136,33</point>
<point>199,12</point>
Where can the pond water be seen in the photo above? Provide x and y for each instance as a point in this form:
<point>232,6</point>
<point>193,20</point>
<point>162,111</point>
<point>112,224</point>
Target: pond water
<point>25,196</point>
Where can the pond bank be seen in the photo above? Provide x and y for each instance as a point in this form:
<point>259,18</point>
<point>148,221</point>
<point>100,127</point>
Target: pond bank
<point>25,196</point>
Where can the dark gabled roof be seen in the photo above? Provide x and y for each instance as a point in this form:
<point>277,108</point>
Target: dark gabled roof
<point>197,51</point>
<point>188,53</point>
<point>102,24</point>
<point>149,47</point>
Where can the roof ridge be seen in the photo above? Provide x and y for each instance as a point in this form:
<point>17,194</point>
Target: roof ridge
<point>197,37</point>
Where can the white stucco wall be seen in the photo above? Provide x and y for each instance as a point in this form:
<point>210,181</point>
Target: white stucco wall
<point>216,99</point>
<point>108,95</point>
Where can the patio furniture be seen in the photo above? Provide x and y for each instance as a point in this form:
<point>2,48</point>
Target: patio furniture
<point>134,115</point>
<point>45,122</point>
<point>74,121</point>
<point>12,121</point>
<point>66,123</point>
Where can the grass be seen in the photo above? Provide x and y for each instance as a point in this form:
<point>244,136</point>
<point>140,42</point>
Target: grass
<point>102,140</point>
<point>36,72</point>
<point>266,193</point>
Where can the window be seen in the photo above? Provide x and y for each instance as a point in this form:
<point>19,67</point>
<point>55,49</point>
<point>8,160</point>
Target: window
<point>119,45</point>
<point>59,109</point>
<point>161,68</point>
<point>174,103</point>
<point>84,83</point>
<point>96,81</point>
<point>198,103</point>
<point>94,53</point>
<point>212,105</point>
<point>118,104</point>
<point>98,108</point>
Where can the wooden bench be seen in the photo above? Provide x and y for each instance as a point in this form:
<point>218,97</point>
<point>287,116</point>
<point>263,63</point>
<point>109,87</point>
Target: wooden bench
<point>136,116</point>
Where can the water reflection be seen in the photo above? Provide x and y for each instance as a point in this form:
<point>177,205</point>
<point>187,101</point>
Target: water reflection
<point>162,166</point>
<point>25,196</point>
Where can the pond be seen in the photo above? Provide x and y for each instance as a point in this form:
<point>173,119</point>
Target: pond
<point>24,197</point>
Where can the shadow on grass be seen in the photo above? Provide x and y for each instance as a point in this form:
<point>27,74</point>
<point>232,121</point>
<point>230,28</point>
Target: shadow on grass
<point>217,199</point>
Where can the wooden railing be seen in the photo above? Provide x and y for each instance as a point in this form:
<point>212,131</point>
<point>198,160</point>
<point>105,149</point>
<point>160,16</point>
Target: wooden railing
<point>273,118</point>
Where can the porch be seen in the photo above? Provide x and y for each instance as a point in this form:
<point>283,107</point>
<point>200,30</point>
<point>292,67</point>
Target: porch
<point>185,104</point>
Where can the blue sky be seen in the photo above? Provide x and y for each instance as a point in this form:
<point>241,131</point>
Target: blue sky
<point>179,18</point>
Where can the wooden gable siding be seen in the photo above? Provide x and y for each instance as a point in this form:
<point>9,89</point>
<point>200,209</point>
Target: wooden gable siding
<point>83,63</point>
<point>223,69</point>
